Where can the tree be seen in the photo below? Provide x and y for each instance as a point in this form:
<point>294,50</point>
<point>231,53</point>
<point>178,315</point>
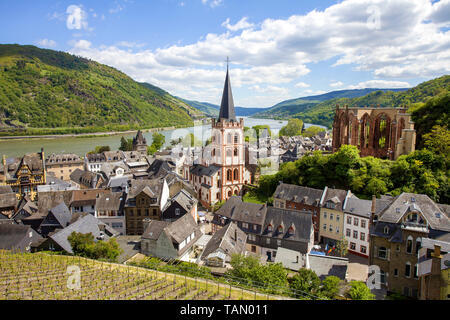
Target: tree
<point>306,281</point>
<point>312,131</point>
<point>126,145</point>
<point>359,291</point>
<point>438,141</point>
<point>85,246</point>
<point>293,128</point>
<point>330,287</point>
<point>158,141</point>
<point>191,141</point>
<point>100,149</point>
<point>342,247</point>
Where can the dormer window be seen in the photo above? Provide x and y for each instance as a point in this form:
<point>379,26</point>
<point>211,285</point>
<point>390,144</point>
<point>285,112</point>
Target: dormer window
<point>291,230</point>
<point>386,230</point>
<point>280,229</point>
<point>269,228</point>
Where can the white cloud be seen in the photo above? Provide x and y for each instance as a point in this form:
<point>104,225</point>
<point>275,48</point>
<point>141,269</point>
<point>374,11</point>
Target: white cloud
<point>408,42</point>
<point>302,85</point>
<point>380,84</point>
<point>241,24</point>
<point>76,18</point>
<point>80,44</point>
<point>336,84</point>
<point>212,3</point>
<point>46,43</point>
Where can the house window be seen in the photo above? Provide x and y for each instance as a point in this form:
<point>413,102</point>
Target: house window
<point>331,228</point>
<point>255,227</point>
<point>253,248</point>
<point>408,270</point>
<point>363,249</point>
<point>355,234</point>
<point>382,277</point>
<point>325,215</point>
<point>177,211</point>
<point>396,272</point>
<point>382,253</point>
<point>338,218</point>
<point>352,245</point>
<point>278,242</point>
<point>409,244</point>
<point>356,221</point>
<point>363,223</point>
<point>348,233</point>
<point>418,244</point>
<point>325,227</point>
<point>331,216</point>
<point>268,241</point>
<point>245,225</point>
<point>349,220</point>
<point>386,230</point>
<point>363,236</point>
<point>337,229</point>
<point>416,274</point>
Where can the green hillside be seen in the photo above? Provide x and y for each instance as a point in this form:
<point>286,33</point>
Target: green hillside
<point>290,108</point>
<point>45,91</point>
<point>323,113</point>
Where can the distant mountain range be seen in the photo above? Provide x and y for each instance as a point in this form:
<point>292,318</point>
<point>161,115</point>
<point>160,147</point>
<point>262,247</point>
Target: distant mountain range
<point>287,108</point>
<point>212,110</point>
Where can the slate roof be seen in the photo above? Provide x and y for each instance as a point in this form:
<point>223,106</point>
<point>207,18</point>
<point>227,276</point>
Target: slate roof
<point>154,229</point>
<point>71,158</point>
<point>358,207</point>
<point>337,196</point>
<point>49,200</point>
<point>184,199</point>
<point>8,200</point>
<point>299,194</point>
<point>325,266</point>
<point>238,210</point>
<point>112,201</point>
<point>85,197</point>
<point>445,208</point>
<point>86,178</point>
<point>159,168</point>
<point>231,239</point>
<point>5,189</point>
<point>12,234</point>
<point>407,202</point>
<point>61,214</point>
<point>227,105</point>
<point>200,170</point>
<point>180,229</point>
<point>300,221</point>
<point>85,224</point>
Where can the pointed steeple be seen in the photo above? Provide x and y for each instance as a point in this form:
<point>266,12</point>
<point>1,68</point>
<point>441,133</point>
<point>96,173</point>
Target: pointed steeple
<point>227,106</point>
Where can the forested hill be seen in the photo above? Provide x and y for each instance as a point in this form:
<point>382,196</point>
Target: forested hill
<point>62,93</point>
<point>323,112</point>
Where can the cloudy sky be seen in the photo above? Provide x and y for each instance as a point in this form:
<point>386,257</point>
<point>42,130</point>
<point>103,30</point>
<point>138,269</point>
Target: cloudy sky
<point>279,49</point>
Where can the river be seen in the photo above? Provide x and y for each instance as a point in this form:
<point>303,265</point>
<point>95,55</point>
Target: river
<point>82,145</point>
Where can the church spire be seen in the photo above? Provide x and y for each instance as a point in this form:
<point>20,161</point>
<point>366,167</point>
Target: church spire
<point>227,106</point>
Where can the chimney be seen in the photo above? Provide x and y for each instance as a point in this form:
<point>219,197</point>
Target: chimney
<point>437,251</point>
<point>372,210</point>
<point>296,260</point>
<point>146,222</point>
<point>235,234</point>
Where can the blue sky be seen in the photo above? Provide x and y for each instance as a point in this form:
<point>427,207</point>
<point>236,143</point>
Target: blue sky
<point>279,49</point>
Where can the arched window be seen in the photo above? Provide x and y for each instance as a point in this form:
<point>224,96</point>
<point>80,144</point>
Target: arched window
<point>235,152</point>
<point>214,152</point>
<point>418,244</point>
<point>409,244</point>
<point>229,138</point>
<point>280,229</point>
<point>236,192</point>
<point>269,228</point>
<point>236,174</point>
<point>416,271</point>
<point>229,175</point>
<point>229,194</point>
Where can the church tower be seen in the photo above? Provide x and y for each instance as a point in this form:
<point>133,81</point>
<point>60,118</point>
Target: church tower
<point>140,143</point>
<point>227,145</point>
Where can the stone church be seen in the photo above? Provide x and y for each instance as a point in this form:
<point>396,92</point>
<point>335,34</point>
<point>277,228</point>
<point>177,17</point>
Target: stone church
<point>379,132</point>
<point>221,171</point>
